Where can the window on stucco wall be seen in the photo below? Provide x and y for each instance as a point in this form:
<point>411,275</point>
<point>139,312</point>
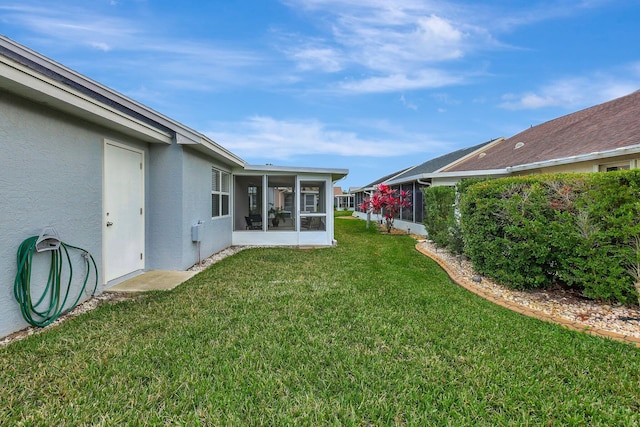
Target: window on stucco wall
<point>614,167</point>
<point>219,193</point>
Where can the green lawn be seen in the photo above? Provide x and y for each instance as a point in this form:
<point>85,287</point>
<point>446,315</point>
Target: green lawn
<point>367,333</point>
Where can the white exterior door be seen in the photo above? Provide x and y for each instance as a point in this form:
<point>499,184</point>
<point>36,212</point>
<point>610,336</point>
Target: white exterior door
<point>123,218</point>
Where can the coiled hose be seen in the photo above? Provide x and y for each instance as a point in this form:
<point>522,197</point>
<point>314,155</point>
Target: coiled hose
<point>44,313</point>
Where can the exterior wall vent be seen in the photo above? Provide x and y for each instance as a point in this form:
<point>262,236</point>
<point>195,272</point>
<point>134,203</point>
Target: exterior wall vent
<point>481,155</point>
<point>518,145</point>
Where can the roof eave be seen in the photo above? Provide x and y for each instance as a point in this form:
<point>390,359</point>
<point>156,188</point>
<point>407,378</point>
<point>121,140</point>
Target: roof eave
<point>210,148</point>
<point>596,155</point>
<point>336,174</point>
<point>467,174</point>
<point>26,82</point>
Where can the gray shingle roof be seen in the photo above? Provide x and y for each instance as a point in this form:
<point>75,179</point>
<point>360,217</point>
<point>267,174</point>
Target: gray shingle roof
<point>385,178</point>
<point>439,162</point>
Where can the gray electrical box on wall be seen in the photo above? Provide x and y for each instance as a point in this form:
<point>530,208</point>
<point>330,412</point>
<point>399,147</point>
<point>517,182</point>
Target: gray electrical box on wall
<point>195,231</point>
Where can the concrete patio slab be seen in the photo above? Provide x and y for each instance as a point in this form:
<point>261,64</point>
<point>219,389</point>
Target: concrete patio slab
<point>155,280</point>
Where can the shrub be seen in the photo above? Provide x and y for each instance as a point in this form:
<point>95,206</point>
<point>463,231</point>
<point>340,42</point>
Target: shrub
<point>579,229</point>
<point>505,224</point>
<point>439,217</point>
<point>388,202</point>
<point>600,236</point>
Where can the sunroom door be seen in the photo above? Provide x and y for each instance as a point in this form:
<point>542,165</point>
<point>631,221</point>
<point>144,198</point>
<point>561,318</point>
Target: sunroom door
<point>313,212</point>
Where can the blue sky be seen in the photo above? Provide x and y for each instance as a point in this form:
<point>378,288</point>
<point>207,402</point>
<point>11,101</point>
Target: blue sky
<point>370,85</point>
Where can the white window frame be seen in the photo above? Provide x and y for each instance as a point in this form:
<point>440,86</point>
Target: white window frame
<point>220,187</point>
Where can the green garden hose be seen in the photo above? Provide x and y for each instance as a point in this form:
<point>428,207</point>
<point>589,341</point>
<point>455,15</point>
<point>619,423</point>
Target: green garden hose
<point>44,313</point>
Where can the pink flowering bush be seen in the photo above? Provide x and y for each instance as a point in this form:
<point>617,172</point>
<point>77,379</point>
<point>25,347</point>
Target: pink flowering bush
<point>387,202</point>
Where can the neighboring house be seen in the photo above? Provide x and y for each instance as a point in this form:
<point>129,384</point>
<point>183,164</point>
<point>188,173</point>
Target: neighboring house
<point>360,193</point>
<point>601,138</point>
<point>136,189</point>
<point>413,180</point>
<point>342,200</point>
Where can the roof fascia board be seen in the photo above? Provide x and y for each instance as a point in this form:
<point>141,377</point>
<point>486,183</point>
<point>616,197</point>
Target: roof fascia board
<point>462,174</point>
<point>46,89</point>
<point>466,174</point>
<point>596,155</point>
<point>336,174</point>
<point>405,179</point>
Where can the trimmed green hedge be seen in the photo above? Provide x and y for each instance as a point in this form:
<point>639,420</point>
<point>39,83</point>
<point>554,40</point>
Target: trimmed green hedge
<point>439,213</point>
<point>582,230</point>
<point>441,218</point>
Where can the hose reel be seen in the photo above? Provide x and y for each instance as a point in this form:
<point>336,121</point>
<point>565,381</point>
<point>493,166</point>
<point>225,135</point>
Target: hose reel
<point>43,311</point>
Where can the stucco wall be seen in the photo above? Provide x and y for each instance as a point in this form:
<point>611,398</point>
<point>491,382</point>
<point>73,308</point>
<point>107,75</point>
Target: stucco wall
<point>215,233</point>
<point>179,195</point>
<point>164,215</point>
<point>592,165</point>
<point>50,175</point>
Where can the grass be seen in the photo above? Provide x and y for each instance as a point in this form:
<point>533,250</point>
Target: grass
<point>367,333</point>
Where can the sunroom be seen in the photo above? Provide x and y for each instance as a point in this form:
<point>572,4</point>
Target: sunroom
<point>283,206</point>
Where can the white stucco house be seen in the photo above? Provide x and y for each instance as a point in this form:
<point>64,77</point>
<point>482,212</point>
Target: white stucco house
<point>136,189</point>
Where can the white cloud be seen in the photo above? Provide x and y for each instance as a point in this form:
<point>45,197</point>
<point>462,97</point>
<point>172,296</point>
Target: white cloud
<point>510,18</point>
<point>577,92</point>
<point>74,26</point>
<point>315,55</point>
<point>134,46</point>
<point>405,47</point>
<point>282,139</point>
<point>407,104</point>
<point>422,79</point>
<point>101,46</point>
<point>399,44</point>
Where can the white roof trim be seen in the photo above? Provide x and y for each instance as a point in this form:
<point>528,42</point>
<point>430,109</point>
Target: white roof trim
<point>616,152</point>
<point>336,174</point>
<point>184,134</point>
<point>466,174</point>
<point>210,147</point>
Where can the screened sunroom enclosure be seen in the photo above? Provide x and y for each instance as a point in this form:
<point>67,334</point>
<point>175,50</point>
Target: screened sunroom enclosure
<point>277,206</point>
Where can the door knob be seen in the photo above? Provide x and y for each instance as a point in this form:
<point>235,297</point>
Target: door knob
<point>109,223</point>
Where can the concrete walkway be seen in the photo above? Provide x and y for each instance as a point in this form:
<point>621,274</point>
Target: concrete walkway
<point>155,280</point>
